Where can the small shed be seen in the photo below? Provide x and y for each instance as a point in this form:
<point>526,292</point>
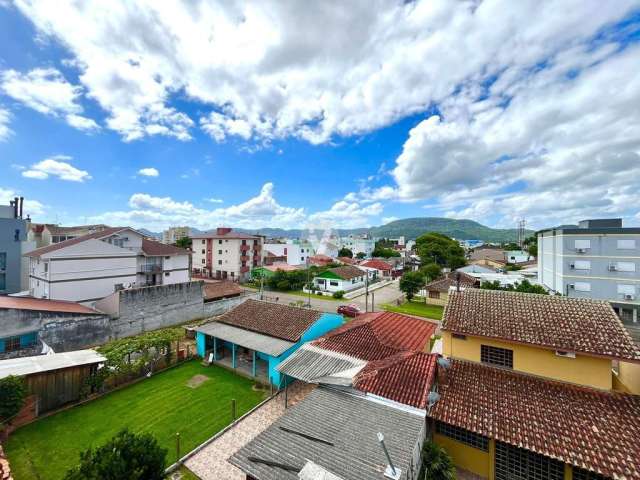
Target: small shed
<point>55,379</point>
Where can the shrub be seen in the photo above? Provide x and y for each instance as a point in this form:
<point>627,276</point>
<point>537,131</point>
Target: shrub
<point>12,395</point>
<point>436,463</point>
<point>338,294</point>
<point>127,455</point>
<point>411,283</point>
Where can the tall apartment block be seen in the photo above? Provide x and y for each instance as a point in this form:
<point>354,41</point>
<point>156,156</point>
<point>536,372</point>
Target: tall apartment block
<point>598,259</point>
<point>226,254</point>
<point>13,244</point>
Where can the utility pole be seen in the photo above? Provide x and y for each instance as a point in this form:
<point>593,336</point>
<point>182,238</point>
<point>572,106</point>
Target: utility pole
<point>366,292</point>
<point>308,283</point>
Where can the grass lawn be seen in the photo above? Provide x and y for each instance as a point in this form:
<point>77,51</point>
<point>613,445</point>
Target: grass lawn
<point>161,405</point>
<point>300,293</point>
<point>420,309</point>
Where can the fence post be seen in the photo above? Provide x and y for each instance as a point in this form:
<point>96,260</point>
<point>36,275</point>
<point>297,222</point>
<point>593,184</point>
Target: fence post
<point>271,386</point>
<point>177,446</point>
<point>233,409</point>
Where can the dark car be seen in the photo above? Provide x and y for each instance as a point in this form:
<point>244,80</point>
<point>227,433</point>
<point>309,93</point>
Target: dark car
<point>349,310</point>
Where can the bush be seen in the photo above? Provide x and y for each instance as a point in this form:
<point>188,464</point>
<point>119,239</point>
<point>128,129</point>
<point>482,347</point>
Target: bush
<point>12,395</point>
<point>436,463</point>
<point>127,455</point>
<point>411,283</point>
<point>338,294</point>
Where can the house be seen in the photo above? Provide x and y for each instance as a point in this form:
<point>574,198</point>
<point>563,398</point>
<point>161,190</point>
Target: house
<point>30,325</point>
<point>488,257</point>
<point>437,292</point>
<point>44,234</point>
<point>345,278</point>
<point>517,256</point>
<point>529,391</point>
<point>347,260</point>
<point>292,252</point>
<point>596,259</point>
<point>271,258</point>
<point>227,254</point>
<point>55,379</point>
<point>214,291</point>
<point>171,235</point>
<point>90,267</point>
<point>13,244</point>
<point>475,269</point>
<point>378,268</point>
<point>320,260</point>
<point>334,435</point>
<point>256,336</point>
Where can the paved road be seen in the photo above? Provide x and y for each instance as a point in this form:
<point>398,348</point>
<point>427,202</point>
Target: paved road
<point>386,294</point>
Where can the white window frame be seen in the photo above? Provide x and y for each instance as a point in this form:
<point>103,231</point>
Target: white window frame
<point>625,289</point>
<point>626,266</point>
<point>582,286</point>
<point>582,243</point>
<point>581,265</point>
<point>626,244</point>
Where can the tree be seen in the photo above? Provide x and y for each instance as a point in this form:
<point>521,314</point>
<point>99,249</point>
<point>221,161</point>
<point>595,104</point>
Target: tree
<point>345,252</point>
<point>127,455</point>
<point>360,255</point>
<point>511,246</point>
<point>411,283</point>
<point>436,463</point>
<point>12,395</point>
<point>524,287</point>
<point>384,252</point>
<point>438,248</point>
<point>431,271</point>
<point>184,242</point>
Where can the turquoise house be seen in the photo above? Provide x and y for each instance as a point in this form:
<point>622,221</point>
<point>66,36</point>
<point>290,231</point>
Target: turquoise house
<point>256,336</point>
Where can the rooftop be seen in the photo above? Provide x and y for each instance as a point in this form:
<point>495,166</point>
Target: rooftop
<point>559,323</point>
<point>73,241</point>
<point>377,264</point>
<point>587,428</point>
<point>483,253</point>
<point>445,283</point>
<point>226,233</point>
<point>45,363</point>
<point>44,305</point>
<point>217,290</point>
<point>154,248</point>
<point>346,272</point>
<point>249,339</point>
<point>374,336</point>
<point>337,432</point>
<point>272,319</point>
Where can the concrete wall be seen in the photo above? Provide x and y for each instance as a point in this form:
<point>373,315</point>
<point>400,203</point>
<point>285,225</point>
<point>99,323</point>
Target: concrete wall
<point>212,309</point>
<point>11,283</point>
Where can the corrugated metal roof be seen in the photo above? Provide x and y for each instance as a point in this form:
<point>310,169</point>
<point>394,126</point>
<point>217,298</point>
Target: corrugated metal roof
<point>45,363</point>
<point>336,431</point>
<point>317,365</point>
<point>44,305</point>
<point>246,338</point>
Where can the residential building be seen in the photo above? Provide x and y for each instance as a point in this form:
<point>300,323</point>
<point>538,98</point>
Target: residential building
<point>358,244</point>
<point>378,269</point>
<point>90,267</point>
<point>227,254</point>
<point>267,271</point>
<point>328,248</point>
<point>437,292</point>
<point>343,279</point>
<point>292,252</point>
<point>44,234</point>
<point>171,235</point>
<point>517,256</point>
<point>13,244</point>
<point>256,336</point>
<point>488,257</point>
<point>530,390</point>
<point>271,258</point>
<point>597,259</point>
<point>320,260</point>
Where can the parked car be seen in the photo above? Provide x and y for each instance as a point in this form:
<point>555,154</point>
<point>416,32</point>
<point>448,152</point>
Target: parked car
<point>349,310</point>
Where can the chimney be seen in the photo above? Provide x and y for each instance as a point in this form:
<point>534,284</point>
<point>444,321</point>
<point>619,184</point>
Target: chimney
<point>222,230</point>
<point>21,205</point>
<point>15,207</point>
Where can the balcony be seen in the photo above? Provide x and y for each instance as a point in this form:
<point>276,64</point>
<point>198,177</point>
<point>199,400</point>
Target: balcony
<point>244,258</point>
<point>244,269</point>
<point>150,268</point>
<point>257,247</point>
<point>245,248</point>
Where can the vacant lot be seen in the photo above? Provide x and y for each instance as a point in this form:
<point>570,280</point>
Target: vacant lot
<point>178,400</point>
<point>419,309</point>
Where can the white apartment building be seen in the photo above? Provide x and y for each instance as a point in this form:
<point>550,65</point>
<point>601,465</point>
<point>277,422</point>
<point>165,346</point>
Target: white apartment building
<point>296,253</point>
<point>226,254</point>
<point>173,234</point>
<point>358,245</point>
<point>90,267</point>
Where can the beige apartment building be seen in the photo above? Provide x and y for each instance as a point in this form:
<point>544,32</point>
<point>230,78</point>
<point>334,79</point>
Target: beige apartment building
<point>171,235</point>
<point>226,254</point>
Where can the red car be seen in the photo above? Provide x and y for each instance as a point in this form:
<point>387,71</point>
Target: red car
<point>349,310</point>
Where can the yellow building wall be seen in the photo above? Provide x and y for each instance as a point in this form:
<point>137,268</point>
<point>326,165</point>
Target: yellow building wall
<point>628,378</point>
<point>442,300</point>
<point>463,456</point>
<point>582,370</point>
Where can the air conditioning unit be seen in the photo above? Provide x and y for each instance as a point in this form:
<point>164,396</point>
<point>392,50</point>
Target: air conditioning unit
<point>629,296</point>
<point>562,353</point>
<point>571,286</point>
<point>572,266</point>
<point>613,267</point>
<point>581,250</point>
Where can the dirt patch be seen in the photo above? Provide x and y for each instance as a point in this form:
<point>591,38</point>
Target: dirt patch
<point>197,380</point>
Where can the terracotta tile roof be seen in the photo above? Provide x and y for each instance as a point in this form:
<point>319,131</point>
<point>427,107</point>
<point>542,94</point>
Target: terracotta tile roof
<point>591,429</point>
<point>443,284</point>
<point>153,248</point>
<point>377,264</point>
<point>285,267</point>
<point>320,259</point>
<point>44,305</point>
<point>347,260</point>
<point>272,319</point>
<point>232,235</point>
<point>405,378</point>
<point>346,272</point>
<point>73,241</point>
<point>495,254</point>
<point>375,336</point>
<point>217,290</point>
<point>558,323</point>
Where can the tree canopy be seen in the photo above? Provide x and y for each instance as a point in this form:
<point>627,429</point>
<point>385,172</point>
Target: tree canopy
<point>525,287</point>
<point>184,242</point>
<point>384,252</point>
<point>411,283</point>
<point>431,271</point>
<point>345,252</point>
<point>12,395</point>
<point>439,249</point>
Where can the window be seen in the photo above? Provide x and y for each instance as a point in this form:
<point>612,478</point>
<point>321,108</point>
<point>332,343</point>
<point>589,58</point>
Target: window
<point>626,244</point>
<point>333,283</point>
<point>434,294</point>
<point>244,242</point>
<point>626,267</point>
<point>513,462</point>
<point>582,244</point>
<point>626,315</point>
<point>3,261</point>
<point>167,258</point>
<point>626,289</point>
<point>166,274</point>
<point>16,235</point>
<point>464,436</point>
<point>302,259</point>
<point>11,344</point>
<point>203,252</point>
<point>219,252</point>
<point>46,267</point>
<point>3,281</point>
<point>219,242</point>
<point>582,265</point>
<point>459,336</point>
<point>581,474</point>
<point>219,262</point>
<point>582,287</point>
<point>203,261</point>
<point>501,357</point>
<point>203,242</point>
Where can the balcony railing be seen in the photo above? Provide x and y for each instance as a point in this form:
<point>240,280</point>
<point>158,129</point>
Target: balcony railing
<point>244,258</point>
<point>150,268</point>
<point>244,269</point>
<point>245,248</point>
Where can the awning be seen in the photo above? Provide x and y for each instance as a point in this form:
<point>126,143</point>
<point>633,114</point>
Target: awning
<point>246,338</point>
<point>312,364</point>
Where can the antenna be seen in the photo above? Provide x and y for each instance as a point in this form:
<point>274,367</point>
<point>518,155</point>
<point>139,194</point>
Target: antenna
<point>391,471</point>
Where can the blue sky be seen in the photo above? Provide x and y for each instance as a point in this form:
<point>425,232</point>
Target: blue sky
<point>256,115</point>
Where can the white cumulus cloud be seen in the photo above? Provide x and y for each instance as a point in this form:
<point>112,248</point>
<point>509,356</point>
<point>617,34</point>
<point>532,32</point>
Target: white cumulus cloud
<point>5,131</point>
<point>57,166</point>
<point>149,172</point>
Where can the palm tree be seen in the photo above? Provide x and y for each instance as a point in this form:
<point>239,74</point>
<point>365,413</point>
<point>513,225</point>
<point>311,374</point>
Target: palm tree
<point>436,463</point>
